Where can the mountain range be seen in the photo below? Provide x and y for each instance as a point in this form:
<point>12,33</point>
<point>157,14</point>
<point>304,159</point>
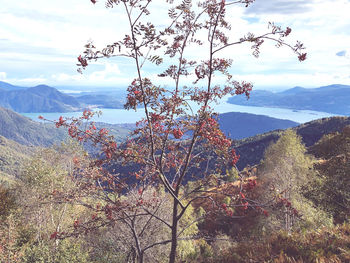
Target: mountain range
<point>43,98</point>
<point>333,99</point>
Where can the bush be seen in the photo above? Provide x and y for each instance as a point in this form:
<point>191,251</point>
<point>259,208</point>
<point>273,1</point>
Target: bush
<point>326,245</point>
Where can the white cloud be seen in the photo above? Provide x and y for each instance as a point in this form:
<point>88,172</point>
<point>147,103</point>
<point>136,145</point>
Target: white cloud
<point>51,34</point>
<point>291,80</point>
<point>3,75</point>
<point>28,81</point>
<point>110,75</point>
<point>280,6</point>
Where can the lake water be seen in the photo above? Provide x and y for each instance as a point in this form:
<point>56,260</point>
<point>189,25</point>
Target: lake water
<point>118,116</point>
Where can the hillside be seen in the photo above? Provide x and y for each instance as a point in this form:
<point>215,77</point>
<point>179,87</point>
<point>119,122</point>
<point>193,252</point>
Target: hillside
<point>12,156</point>
<point>23,130</point>
<point>252,149</point>
<point>333,99</point>
<point>333,152</point>
<point>239,125</point>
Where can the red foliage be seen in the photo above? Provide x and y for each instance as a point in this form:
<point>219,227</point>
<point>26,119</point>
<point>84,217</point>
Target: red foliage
<point>54,235</point>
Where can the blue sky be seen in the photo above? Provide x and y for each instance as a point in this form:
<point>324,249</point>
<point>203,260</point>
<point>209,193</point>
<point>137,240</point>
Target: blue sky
<point>40,41</point>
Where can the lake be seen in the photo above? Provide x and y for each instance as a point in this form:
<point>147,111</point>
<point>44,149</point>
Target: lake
<point>118,116</point>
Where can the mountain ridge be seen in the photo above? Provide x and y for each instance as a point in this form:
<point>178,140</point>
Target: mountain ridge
<point>43,98</point>
<point>332,98</point>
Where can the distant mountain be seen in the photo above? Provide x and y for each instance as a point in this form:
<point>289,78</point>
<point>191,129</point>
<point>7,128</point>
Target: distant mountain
<point>101,101</point>
<point>252,149</point>
<point>239,125</point>
<point>333,99</point>
<point>41,98</point>
<point>7,86</point>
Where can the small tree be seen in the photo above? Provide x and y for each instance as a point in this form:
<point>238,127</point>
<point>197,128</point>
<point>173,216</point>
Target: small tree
<point>173,143</point>
<point>286,169</point>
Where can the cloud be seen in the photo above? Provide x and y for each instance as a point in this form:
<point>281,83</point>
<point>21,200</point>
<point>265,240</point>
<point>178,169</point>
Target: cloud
<point>109,75</point>
<point>3,75</point>
<point>308,80</point>
<point>110,71</point>
<point>45,37</point>
<point>35,15</point>
<point>280,6</point>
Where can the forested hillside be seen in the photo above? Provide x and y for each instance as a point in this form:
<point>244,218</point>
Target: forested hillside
<point>252,149</point>
<point>12,158</point>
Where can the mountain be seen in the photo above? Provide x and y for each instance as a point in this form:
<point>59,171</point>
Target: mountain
<point>333,99</point>
<point>239,125</point>
<point>252,149</point>
<point>7,86</point>
<point>43,98</point>
<point>40,98</point>
<point>23,130</point>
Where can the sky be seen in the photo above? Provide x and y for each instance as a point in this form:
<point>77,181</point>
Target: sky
<point>40,41</point>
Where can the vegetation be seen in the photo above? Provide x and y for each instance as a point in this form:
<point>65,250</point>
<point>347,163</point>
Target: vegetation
<point>12,156</point>
<point>252,149</point>
<point>331,190</point>
<point>31,216</point>
<point>284,171</point>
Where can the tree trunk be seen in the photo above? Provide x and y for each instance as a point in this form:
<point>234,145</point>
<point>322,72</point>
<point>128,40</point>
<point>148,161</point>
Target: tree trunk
<point>140,258</point>
<point>172,255</point>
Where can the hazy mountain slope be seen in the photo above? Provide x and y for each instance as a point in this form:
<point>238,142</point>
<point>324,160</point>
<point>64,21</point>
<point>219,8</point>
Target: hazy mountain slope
<point>239,125</point>
<point>333,98</point>
<point>8,86</point>
<point>41,98</point>
<point>27,132</point>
